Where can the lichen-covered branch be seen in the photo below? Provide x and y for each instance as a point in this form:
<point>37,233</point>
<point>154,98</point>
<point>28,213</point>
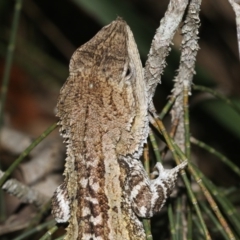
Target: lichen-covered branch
<point>236,8</point>
<point>183,80</point>
<point>160,47</point>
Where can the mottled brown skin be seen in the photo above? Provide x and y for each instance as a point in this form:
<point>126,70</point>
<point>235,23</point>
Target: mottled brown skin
<point>103,111</point>
<point>103,116</point>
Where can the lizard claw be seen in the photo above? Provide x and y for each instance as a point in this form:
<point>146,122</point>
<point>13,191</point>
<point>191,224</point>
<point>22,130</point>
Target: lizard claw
<point>169,176</point>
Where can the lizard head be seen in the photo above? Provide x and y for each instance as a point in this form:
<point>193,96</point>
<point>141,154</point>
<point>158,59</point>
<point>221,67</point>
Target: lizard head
<point>105,93</point>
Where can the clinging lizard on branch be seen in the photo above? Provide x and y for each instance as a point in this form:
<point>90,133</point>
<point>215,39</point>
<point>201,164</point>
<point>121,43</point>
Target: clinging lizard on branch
<point>103,111</point>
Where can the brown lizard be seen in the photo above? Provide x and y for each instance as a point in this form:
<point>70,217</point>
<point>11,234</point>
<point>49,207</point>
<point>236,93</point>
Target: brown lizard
<point>103,111</point>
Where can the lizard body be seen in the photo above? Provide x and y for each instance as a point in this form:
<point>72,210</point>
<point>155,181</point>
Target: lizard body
<point>103,111</point>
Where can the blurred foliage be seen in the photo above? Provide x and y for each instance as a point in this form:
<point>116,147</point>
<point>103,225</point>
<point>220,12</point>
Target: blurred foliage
<point>225,114</point>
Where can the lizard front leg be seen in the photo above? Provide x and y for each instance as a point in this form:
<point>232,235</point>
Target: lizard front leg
<point>61,204</point>
<point>148,196</point>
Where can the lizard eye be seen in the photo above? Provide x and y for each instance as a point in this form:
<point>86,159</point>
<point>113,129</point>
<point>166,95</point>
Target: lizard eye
<point>129,71</point>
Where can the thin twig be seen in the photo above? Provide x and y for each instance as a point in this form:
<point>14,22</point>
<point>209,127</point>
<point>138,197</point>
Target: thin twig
<point>9,58</point>
<point>197,177</point>
<point>173,148</point>
<point>48,28</point>
<point>24,193</point>
<point>172,222</point>
<point>218,95</point>
<point>5,80</point>
<point>36,229</point>
<point>49,233</point>
<point>221,157</point>
<point>25,153</point>
<point>146,162</point>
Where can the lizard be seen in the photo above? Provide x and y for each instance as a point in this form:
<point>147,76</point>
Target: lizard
<point>103,111</point>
